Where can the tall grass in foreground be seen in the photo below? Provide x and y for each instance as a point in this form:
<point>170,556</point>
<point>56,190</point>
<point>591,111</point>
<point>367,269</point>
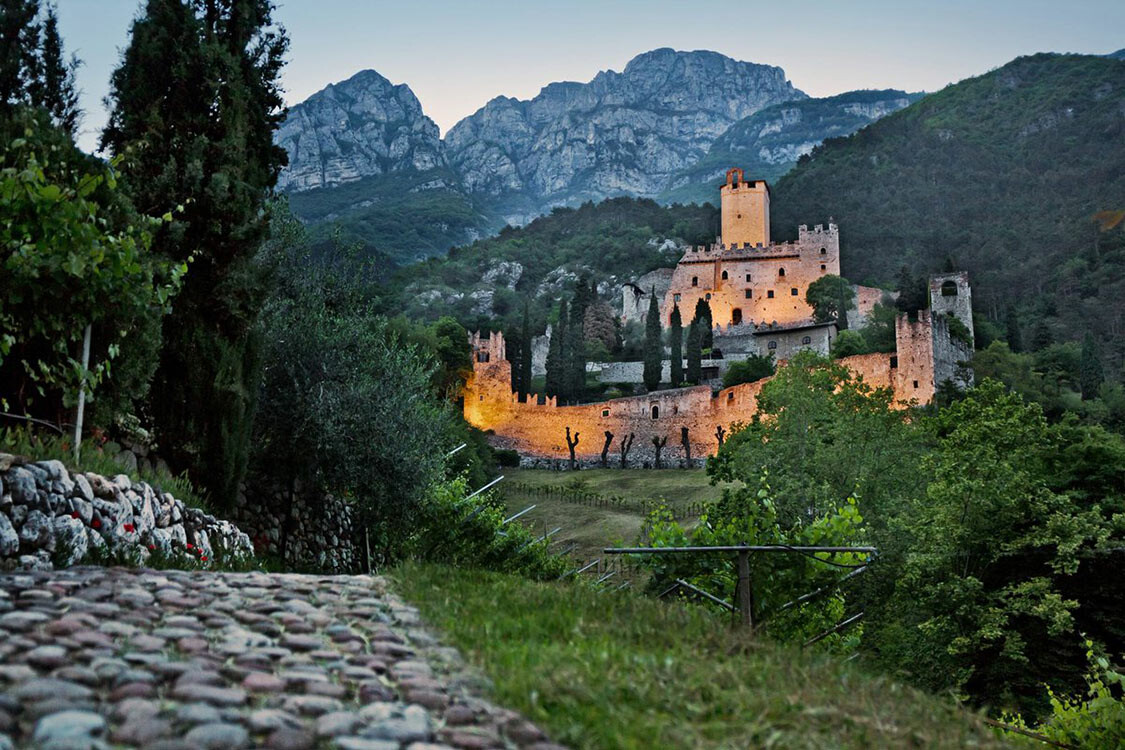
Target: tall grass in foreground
<point>617,670</point>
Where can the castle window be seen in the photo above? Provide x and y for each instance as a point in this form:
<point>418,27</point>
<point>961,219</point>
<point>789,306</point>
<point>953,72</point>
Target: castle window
<point>781,272</point>
<point>806,340</point>
<point>915,383</point>
<point>707,296</point>
<point>894,361</point>
<point>749,294</point>
<point>824,251</point>
<point>675,298</point>
<point>482,397</point>
<point>949,289</point>
<point>736,316</point>
<point>730,396</point>
<point>793,291</point>
<point>823,267</point>
<point>675,410</point>
<point>769,293</point>
<point>605,412</point>
<point>772,345</point>
<point>747,278</point>
<point>725,277</point>
<point>655,411</point>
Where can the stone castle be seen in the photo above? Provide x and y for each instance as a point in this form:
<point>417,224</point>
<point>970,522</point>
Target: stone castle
<point>756,290</point>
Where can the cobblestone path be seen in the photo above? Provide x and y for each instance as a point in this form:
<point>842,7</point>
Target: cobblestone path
<point>116,657</point>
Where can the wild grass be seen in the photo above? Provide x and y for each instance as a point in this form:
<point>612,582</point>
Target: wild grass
<point>617,670</point>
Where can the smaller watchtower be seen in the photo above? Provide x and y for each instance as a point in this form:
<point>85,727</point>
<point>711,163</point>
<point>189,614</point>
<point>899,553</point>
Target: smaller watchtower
<point>745,209</point>
<point>951,294</point>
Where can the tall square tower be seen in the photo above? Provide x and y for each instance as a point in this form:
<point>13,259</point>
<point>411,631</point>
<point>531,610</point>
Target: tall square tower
<point>745,209</point>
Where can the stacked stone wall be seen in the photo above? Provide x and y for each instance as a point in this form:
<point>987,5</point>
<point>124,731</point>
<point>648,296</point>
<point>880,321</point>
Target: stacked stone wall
<point>49,515</point>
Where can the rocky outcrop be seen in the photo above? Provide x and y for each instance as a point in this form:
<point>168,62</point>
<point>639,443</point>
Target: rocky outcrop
<point>768,143</point>
<point>357,128</point>
<point>622,133</point>
<point>48,516</point>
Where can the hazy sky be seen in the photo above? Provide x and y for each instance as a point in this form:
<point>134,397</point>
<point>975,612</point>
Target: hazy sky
<point>456,55</point>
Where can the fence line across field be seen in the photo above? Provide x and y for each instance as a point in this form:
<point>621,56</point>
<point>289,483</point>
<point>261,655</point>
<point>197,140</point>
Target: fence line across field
<point>743,590</point>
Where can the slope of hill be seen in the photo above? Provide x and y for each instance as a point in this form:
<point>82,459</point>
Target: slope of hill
<point>999,174</point>
<point>614,241</point>
<point>768,143</point>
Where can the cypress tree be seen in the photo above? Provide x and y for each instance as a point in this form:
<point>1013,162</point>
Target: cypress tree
<point>576,346</point>
<point>56,92</point>
<point>19,45</point>
<point>514,347</point>
<point>694,352</point>
<point>195,103</point>
<point>526,349</point>
<point>556,357</point>
<point>677,341</point>
<point>703,315</point>
<point>653,348</point>
<point>1012,326</point>
<point>1090,372</point>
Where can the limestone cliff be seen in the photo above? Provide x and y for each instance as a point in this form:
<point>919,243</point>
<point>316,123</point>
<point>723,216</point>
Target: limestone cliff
<point>622,133</point>
<point>357,128</point>
<point>768,143</point>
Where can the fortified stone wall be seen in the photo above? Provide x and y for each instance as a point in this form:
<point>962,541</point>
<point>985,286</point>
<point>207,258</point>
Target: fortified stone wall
<point>538,426</point>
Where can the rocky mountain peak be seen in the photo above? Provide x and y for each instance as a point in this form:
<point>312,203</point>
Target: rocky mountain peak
<point>356,128</point>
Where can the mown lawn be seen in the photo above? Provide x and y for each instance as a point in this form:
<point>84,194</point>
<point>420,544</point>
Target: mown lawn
<point>618,670</point>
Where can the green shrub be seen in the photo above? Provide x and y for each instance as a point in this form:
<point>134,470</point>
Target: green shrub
<point>750,370</point>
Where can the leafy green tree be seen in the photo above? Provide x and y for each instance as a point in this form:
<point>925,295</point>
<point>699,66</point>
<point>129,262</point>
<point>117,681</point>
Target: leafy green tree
<point>749,370</point>
<point>676,337</point>
<point>831,297</point>
<point>977,569</point>
<point>342,391</point>
<point>822,435</point>
<point>654,348</point>
<point>879,332</point>
<point>71,255</point>
<point>695,352</point>
<point>848,344</point>
<point>913,294</point>
<point>194,105</point>
<point>1090,370</point>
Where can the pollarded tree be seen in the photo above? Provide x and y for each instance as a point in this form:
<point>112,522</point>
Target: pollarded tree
<point>676,334</point>
<point>830,297</point>
<point>195,103</point>
<point>654,347</point>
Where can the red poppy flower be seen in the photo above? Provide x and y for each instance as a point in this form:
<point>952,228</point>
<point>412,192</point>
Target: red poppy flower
<point>96,524</point>
<point>152,546</point>
<point>204,558</point>
<point>74,514</point>
<point>128,528</point>
<point>189,546</point>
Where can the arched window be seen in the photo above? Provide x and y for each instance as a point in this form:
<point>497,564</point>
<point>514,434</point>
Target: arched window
<point>655,411</point>
<point>781,272</point>
<point>772,345</point>
<point>949,289</point>
<point>725,276</point>
<point>695,281</point>
<point>806,340</point>
<point>824,251</point>
<point>736,316</point>
<point>708,296</point>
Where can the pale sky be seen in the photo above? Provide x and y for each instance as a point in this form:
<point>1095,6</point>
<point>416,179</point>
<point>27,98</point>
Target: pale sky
<point>457,54</point>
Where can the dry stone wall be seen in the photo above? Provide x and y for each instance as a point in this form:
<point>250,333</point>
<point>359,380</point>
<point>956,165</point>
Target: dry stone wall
<point>48,516</point>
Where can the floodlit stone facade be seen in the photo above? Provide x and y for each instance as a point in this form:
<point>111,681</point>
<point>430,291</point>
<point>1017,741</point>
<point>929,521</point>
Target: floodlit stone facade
<point>756,290</point>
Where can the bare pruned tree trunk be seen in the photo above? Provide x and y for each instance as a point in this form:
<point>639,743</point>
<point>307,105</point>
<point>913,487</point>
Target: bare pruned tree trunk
<point>720,433</point>
<point>658,443</point>
<point>686,442</point>
<point>571,444</point>
<point>605,449</point>
<point>626,444</point>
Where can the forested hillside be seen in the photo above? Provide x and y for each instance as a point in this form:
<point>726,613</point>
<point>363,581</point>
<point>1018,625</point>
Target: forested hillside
<point>614,241</point>
<point>1001,175</point>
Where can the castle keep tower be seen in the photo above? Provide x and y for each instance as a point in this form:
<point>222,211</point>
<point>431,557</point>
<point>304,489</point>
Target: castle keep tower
<point>745,210</point>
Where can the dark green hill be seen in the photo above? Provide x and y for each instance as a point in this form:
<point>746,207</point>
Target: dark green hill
<point>1001,175</point>
<point>614,241</point>
<point>768,143</point>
